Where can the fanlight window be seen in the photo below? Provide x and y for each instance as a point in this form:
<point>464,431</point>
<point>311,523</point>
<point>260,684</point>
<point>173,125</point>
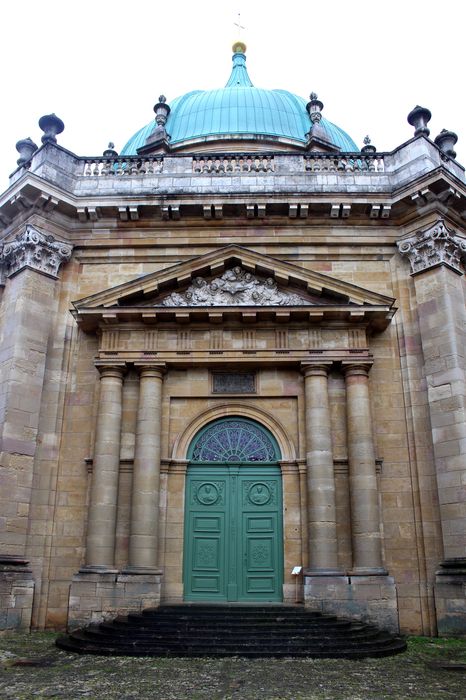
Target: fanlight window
<point>234,440</point>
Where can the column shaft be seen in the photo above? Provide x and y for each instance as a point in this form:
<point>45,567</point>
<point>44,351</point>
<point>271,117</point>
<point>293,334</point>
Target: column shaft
<point>146,474</point>
<point>322,527</point>
<point>104,492</point>
<point>365,522</point>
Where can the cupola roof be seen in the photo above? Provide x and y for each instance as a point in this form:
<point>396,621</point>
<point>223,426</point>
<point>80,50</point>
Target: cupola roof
<point>240,111</point>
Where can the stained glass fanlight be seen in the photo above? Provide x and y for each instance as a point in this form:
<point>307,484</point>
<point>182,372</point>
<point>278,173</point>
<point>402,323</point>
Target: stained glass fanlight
<point>234,440</point>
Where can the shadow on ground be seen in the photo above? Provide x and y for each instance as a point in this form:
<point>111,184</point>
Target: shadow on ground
<point>32,667</point>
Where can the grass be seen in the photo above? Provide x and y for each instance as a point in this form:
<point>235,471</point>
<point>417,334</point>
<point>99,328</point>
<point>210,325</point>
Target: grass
<point>424,671</point>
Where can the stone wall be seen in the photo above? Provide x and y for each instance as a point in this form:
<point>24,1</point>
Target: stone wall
<point>97,597</point>
<point>16,594</point>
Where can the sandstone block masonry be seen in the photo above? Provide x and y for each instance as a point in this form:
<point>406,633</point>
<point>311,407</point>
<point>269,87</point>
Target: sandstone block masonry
<point>343,337</point>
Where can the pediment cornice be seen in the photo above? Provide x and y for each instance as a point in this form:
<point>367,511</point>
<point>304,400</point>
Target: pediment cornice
<point>268,289</point>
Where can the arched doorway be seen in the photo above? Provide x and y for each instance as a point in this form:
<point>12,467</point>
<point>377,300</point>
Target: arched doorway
<point>233,533</point>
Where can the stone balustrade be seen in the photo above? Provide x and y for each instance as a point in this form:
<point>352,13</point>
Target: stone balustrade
<point>234,164</point>
<point>121,166</point>
<point>345,162</point>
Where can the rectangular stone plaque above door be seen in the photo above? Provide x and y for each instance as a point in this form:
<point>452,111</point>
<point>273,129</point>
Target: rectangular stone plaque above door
<point>233,382</point>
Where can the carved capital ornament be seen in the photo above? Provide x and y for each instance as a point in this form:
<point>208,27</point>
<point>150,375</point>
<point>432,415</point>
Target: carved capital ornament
<point>36,250</point>
<point>435,246</point>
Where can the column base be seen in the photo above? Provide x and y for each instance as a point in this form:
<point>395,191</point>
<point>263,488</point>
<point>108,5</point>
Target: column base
<point>142,570</point>
<point>97,569</point>
<point>450,597</point>
<point>368,571</point>
<point>96,596</point>
<point>323,572</point>
<point>16,594</point>
<point>368,598</point>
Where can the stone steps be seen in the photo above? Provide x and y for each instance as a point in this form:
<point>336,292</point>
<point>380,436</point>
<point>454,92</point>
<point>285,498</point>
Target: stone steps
<point>262,631</point>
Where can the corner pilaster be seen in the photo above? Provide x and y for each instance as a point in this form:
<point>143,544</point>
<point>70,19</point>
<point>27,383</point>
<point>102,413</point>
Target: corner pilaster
<point>437,257</point>
<point>30,264</point>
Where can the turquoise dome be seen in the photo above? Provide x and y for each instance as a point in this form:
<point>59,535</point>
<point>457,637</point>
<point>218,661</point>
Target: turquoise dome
<point>239,109</point>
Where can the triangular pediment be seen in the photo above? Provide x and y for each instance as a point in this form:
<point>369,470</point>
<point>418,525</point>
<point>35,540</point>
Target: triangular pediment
<point>312,287</point>
<point>226,279</point>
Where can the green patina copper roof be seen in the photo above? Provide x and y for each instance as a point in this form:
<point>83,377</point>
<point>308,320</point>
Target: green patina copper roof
<point>239,109</point>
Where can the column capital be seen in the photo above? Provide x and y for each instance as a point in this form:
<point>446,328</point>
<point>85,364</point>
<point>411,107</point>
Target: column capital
<point>113,369</point>
<point>437,245</point>
<point>352,369</point>
<point>36,250</point>
<point>316,369</point>
<point>147,369</point>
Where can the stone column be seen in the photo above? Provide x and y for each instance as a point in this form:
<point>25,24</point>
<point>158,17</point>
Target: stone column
<point>437,257</point>
<point>322,528</point>
<point>365,520</point>
<point>144,520</point>
<point>104,489</point>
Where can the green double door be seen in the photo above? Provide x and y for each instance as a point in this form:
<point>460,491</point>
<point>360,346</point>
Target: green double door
<point>233,536</point>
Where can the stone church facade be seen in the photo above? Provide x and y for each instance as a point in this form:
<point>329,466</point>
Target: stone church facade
<point>233,349</point>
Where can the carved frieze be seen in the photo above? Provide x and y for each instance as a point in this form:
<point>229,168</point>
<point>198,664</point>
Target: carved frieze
<point>437,245</point>
<point>39,251</point>
<point>236,287</point>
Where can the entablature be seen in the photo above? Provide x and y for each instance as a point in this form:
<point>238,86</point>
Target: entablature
<point>374,318</point>
<point>231,346</point>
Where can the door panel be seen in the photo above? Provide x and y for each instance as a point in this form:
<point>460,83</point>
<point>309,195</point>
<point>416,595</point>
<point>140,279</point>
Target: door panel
<point>261,539</point>
<point>233,533</point>
<point>207,553</point>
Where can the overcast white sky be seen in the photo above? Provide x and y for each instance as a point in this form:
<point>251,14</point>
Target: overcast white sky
<point>100,65</point>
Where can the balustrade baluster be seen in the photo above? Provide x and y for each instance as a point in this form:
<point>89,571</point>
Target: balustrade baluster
<point>106,166</point>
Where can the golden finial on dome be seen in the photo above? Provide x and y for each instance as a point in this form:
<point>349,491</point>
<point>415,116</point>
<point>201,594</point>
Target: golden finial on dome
<point>239,47</point>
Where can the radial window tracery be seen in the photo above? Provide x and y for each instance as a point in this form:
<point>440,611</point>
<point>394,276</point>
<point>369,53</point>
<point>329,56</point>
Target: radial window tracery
<point>234,440</point>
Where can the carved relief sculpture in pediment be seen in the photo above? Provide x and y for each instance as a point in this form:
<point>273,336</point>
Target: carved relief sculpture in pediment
<point>236,287</point>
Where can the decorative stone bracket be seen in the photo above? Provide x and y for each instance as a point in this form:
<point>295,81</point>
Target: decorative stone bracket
<point>437,245</point>
<point>39,251</point>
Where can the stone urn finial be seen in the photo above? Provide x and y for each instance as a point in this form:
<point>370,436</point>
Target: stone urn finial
<point>162,110</point>
<point>110,151</point>
<point>446,141</point>
<point>51,125</point>
<point>25,148</point>
<point>368,147</point>
<point>419,118</point>
<point>315,107</point>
